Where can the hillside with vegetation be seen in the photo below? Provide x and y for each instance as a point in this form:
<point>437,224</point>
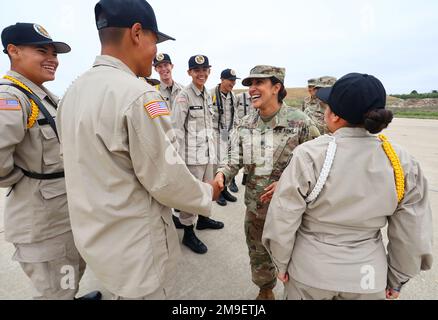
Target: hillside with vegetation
<point>413,105</point>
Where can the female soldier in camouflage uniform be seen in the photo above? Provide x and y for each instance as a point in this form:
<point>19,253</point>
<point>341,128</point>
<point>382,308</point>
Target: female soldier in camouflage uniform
<point>263,143</point>
<point>324,233</point>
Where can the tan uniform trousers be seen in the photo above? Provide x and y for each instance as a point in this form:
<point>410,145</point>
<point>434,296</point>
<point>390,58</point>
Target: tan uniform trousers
<point>159,294</point>
<point>54,266</point>
<point>202,173</point>
<point>295,290</point>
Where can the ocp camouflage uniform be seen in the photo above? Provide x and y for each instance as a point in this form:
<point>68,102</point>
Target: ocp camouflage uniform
<point>313,109</point>
<point>312,105</point>
<point>264,149</point>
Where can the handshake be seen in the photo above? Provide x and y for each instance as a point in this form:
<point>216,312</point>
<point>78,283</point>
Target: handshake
<point>218,185</point>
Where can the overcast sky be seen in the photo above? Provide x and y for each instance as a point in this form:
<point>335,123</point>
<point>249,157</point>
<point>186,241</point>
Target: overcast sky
<point>395,40</point>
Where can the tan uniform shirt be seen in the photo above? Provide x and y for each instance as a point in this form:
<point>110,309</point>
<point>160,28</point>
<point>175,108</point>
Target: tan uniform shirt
<point>122,179</point>
<point>192,118</point>
<point>169,93</point>
<point>335,241</point>
<point>35,210</point>
<point>244,105</point>
<point>224,122</point>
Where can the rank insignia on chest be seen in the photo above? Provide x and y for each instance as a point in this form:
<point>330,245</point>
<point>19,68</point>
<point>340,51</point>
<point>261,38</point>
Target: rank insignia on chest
<point>157,109</point>
<point>10,104</point>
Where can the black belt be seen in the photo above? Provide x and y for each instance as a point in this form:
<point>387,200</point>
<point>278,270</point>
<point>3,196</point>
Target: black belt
<point>40,176</point>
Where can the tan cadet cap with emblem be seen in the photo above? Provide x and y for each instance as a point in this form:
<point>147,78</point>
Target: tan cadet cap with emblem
<point>325,82</point>
<point>200,60</point>
<point>263,71</point>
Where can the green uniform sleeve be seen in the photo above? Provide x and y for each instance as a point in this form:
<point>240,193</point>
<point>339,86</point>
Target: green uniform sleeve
<point>235,156</point>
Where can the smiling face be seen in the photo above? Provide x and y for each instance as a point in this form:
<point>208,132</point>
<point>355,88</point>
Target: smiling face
<point>164,69</point>
<point>199,77</point>
<point>36,63</point>
<point>227,85</point>
<point>263,93</point>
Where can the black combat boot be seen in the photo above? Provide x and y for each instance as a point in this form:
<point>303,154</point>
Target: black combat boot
<point>94,295</point>
<point>191,241</point>
<point>221,201</point>
<point>245,177</point>
<point>233,186</point>
<point>207,223</point>
<point>228,196</point>
<point>177,223</point>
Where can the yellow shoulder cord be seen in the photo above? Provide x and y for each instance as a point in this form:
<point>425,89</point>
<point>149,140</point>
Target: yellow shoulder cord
<point>35,111</point>
<point>398,170</point>
<point>157,87</point>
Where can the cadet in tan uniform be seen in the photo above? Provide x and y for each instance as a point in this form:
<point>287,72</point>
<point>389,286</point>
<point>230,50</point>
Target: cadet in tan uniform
<point>312,106</point>
<point>324,223</point>
<point>224,122</point>
<point>36,213</point>
<point>123,173</point>
<point>192,118</point>
<point>168,87</point>
<point>244,105</point>
<point>263,143</point>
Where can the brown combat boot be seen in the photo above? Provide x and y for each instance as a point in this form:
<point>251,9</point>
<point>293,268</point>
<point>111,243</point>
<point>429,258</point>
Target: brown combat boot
<point>266,294</point>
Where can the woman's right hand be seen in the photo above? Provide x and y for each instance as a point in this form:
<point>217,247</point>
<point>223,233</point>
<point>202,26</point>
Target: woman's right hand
<point>220,180</point>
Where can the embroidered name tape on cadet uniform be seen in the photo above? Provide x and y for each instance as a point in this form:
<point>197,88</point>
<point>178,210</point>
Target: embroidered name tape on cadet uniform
<point>10,105</point>
<point>157,109</point>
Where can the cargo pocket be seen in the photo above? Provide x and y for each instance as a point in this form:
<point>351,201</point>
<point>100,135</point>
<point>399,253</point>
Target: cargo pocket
<point>32,253</point>
<point>51,150</point>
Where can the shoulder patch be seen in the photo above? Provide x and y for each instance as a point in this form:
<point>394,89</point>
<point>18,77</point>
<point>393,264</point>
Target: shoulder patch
<point>10,104</point>
<point>157,108</point>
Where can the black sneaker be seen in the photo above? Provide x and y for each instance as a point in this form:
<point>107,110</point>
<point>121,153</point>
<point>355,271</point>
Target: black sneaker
<point>207,223</point>
<point>245,177</point>
<point>221,201</point>
<point>177,223</point>
<point>233,186</point>
<point>191,241</point>
<point>94,295</point>
<point>228,196</point>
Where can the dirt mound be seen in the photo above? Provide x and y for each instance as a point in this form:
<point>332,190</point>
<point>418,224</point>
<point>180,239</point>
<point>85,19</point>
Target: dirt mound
<point>412,103</point>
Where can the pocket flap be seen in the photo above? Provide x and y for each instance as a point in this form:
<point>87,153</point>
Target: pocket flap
<point>52,188</point>
<point>32,254</point>
<point>47,132</point>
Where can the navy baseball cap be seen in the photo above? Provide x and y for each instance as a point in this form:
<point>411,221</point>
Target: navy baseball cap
<point>229,74</point>
<point>161,58</point>
<point>199,61</point>
<point>30,34</point>
<point>126,13</point>
<point>353,96</point>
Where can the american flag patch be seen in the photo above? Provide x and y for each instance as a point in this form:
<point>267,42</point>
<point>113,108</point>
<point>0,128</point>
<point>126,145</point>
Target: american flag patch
<point>157,109</point>
<point>9,104</point>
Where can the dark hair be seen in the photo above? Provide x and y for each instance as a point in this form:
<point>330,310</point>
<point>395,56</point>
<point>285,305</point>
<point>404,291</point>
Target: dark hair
<point>282,94</point>
<point>378,119</point>
<point>110,35</point>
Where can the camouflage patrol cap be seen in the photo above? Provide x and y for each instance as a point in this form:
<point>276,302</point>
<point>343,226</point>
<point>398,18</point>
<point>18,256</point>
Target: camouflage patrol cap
<point>325,82</point>
<point>312,82</point>
<point>262,72</point>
